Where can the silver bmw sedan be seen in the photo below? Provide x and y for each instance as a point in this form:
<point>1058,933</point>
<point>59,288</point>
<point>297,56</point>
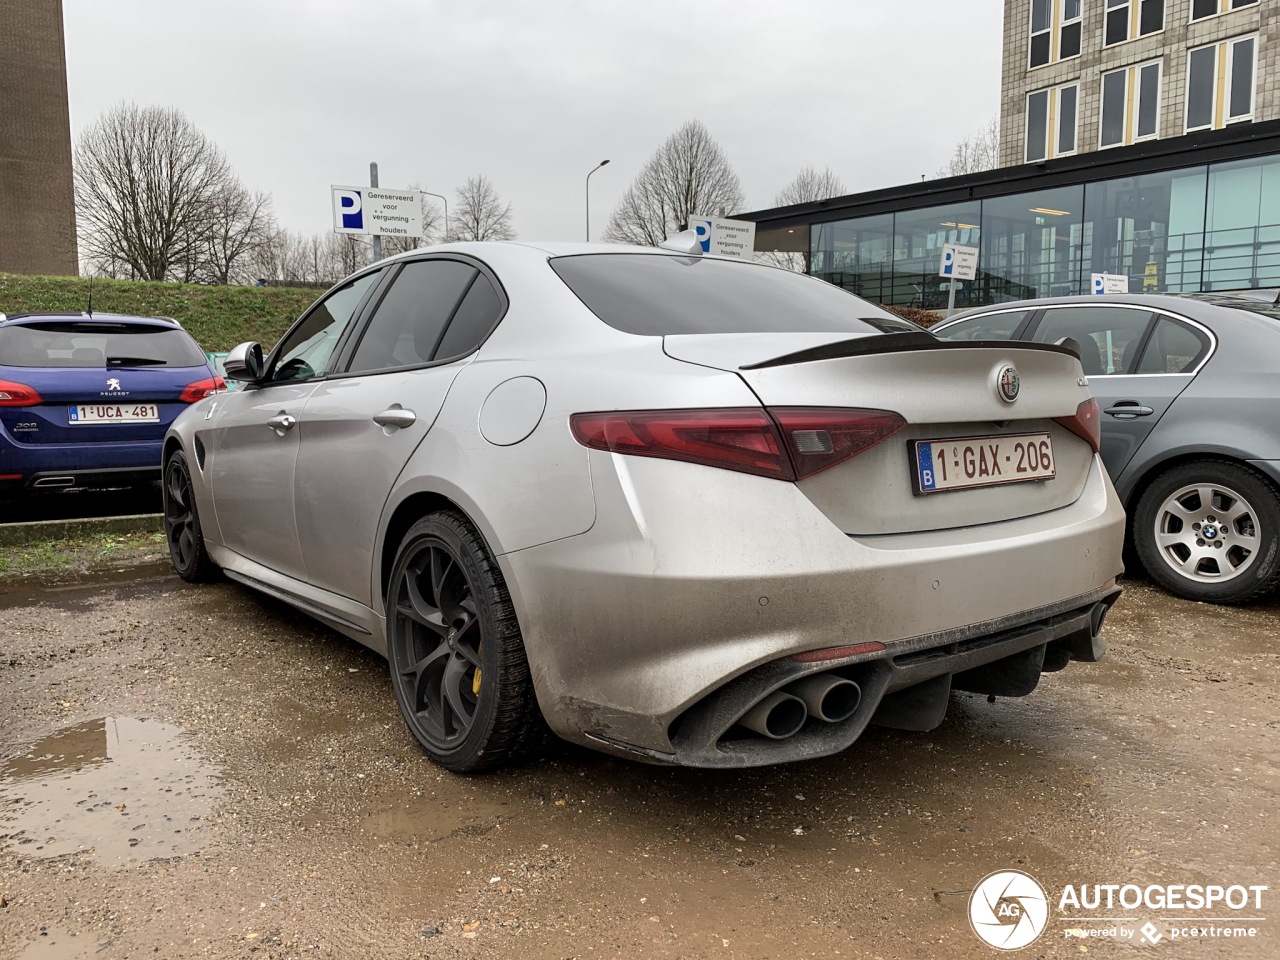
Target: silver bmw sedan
<point>674,507</point>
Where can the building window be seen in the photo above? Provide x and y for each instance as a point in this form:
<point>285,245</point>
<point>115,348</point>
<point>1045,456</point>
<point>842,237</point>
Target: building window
<point>1041,40</point>
<point>1128,19</point>
<point>1051,122</point>
<point>1069,30</point>
<point>1130,105</point>
<point>1209,107</point>
<point>1200,9</point>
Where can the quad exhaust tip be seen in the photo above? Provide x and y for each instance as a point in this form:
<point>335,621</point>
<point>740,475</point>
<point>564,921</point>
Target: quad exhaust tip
<point>777,716</point>
<point>828,697</point>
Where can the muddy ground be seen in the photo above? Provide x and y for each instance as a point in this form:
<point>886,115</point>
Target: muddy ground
<point>199,772</point>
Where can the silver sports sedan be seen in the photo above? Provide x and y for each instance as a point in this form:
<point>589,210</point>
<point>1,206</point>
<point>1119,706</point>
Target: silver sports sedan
<point>677,508</point>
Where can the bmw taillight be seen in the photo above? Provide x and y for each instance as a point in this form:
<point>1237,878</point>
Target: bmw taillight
<point>1087,423</point>
<point>782,443</point>
<point>14,394</point>
<point>202,388</point>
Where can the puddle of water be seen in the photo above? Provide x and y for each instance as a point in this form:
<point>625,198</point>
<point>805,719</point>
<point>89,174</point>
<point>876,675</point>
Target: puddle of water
<point>128,789</point>
<point>57,944</point>
<point>431,820</point>
<point>130,581</point>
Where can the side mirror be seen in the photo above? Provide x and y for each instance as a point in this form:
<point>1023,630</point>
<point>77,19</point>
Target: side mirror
<point>245,363</point>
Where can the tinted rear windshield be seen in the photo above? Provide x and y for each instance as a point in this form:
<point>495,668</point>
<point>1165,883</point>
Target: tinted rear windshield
<point>659,296</point>
<point>70,344</point>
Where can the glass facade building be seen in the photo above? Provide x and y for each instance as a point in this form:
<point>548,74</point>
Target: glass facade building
<point>1195,213</point>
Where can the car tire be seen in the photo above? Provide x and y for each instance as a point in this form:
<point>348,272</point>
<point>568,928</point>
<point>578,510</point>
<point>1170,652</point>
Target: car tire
<point>182,523</point>
<point>1238,508</point>
<point>456,654</point>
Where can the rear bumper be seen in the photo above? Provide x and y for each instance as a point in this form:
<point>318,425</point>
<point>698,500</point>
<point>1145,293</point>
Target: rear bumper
<point>638,629</point>
<point>85,464</point>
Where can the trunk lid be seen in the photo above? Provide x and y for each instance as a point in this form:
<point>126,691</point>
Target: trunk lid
<point>944,390</point>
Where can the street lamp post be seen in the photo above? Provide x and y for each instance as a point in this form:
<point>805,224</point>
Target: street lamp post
<point>446,211</point>
<point>602,163</point>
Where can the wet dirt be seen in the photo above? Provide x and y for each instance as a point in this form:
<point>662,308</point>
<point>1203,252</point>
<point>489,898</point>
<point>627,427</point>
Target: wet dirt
<point>327,833</point>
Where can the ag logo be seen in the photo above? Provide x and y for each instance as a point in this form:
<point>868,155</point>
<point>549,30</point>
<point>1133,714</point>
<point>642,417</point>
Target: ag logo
<point>1008,383</point>
<point>1008,910</point>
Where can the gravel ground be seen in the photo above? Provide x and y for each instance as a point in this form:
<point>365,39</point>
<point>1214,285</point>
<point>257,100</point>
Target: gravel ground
<point>199,772</point>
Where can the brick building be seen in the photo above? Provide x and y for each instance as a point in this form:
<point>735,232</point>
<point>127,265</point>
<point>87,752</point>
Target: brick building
<point>1086,75</point>
<point>37,204</point>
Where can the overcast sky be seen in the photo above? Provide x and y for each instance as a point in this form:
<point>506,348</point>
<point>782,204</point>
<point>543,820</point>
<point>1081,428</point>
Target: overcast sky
<point>302,94</point>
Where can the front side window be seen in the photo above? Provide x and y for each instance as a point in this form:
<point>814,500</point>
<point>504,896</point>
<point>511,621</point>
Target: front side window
<point>409,323</point>
<point>306,349</point>
<point>1230,62</point>
<point>1130,104</point>
<point>1109,337</point>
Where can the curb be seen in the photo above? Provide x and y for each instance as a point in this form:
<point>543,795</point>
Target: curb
<point>12,534</point>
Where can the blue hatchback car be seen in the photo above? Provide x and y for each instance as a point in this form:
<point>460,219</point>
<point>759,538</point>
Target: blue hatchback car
<point>85,400</point>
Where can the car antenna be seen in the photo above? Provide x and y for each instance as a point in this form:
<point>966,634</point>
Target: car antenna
<point>91,294</point>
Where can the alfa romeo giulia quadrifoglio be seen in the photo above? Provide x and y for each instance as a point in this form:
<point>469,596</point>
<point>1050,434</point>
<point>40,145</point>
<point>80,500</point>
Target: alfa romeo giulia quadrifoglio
<point>85,400</point>
<point>680,508</point>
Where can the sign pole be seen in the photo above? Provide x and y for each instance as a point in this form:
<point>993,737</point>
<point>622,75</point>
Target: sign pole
<point>951,298</point>
<point>377,240</point>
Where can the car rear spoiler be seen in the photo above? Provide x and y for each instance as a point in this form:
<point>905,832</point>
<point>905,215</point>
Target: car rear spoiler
<point>902,343</point>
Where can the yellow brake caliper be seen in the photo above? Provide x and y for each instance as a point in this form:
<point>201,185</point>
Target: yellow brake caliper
<point>475,681</point>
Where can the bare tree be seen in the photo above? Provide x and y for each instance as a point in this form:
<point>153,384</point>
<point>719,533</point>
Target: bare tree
<point>480,214</point>
<point>147,185</point>
<point>975,154</point>
<point>239,223</point>
<point>688,175</point>
<point>808,186</point>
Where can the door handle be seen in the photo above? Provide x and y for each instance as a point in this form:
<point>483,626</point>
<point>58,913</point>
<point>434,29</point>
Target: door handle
<point>395,417</point>
<point>1129,410</point>
<point>281,422</point>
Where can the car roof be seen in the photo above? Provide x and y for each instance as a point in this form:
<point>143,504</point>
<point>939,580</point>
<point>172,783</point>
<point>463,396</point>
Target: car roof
<point>17,318</point>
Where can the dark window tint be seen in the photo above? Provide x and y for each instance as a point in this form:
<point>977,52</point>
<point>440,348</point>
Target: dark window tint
<point>1241,79</point>
<point>1200,87</point>
<point>993,326</point>
<point>1148,99</point>
<point>1173,348</point>
<point>1117,25</point>
<point>1235,4</point>
<point>408,323</point>
<point>656,295</point>
<point>1037,123</point>
<point>476,316</point>
<point>1040,49</point>
<point>1113,107</point>
<point>1151,17</point>
<point>1069,41</point>
<point>307,347</point>
<point>1203,8</point>
<point>1108,336</point>
<point>1040,10</point>
<point>98,344</point>
<point>1067,119</point>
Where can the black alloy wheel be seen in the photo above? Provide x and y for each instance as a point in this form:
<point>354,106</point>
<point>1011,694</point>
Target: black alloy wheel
<point>457,658</point>
<point>182,523</point>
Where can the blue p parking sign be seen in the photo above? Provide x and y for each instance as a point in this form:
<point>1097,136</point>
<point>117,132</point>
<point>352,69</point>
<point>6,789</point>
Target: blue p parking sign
<point>948,261</point>
<point>348,210</point>
<point>703,229</point>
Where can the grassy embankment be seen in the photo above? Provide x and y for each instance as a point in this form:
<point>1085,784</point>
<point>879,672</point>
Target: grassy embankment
<point>218,317</point>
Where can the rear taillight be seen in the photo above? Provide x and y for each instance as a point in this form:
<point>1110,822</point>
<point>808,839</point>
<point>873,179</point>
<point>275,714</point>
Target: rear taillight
<point>783,443</point>
<point>202,388</point>
<point>1087,423</point>
<point>13,394</point>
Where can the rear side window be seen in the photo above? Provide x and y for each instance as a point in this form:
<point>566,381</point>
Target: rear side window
<point>97,344</point>
<point>992,326</point>
<point>1109,337</point>
<point>1173,348</point>
<point>656,296</point>
<point>476,316</point>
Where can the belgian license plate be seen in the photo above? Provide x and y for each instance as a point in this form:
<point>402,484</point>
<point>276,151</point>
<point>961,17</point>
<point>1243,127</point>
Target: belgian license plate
<point>967,462</point>
<point>113,413</point>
